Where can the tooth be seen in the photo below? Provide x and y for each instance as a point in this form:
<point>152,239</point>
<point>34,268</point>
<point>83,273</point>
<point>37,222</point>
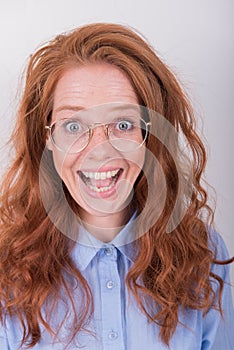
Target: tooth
<point>101,189</point>
<point>103,176</point>
<point>114,172</point>
<point>100,175</point>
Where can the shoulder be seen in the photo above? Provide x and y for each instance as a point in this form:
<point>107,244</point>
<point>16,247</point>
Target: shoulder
<point>222,327</point>
<point>219,267</point>
<point>217,245</point>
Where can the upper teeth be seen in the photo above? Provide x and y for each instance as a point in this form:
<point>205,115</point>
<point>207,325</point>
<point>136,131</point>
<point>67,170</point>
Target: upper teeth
<point>100,175</point>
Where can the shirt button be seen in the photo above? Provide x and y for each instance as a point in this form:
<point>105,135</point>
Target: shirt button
<point>108,251</point>
<point>113,335</point>
<point>110,284</point>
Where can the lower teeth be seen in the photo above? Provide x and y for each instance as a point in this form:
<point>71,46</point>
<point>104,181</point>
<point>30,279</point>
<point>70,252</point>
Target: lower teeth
<point>102,189</point>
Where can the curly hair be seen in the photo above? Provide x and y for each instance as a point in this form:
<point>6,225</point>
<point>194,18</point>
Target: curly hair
<point>35,259</point>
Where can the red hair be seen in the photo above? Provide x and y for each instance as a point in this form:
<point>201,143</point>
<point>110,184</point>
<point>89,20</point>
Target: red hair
<point>35,255</point>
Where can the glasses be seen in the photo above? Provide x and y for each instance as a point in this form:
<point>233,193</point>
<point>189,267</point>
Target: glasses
<point>124,134</point>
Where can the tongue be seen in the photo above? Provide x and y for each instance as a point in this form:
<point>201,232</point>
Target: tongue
<point>101,183</point>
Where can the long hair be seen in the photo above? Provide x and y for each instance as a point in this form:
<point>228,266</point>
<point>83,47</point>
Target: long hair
<point>174,268</point>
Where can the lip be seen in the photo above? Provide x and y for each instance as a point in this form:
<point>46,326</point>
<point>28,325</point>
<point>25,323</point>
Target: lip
<point>105,194</point>
<point>99,169</point>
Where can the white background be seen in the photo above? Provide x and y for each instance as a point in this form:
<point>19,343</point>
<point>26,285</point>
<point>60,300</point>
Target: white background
<point>195,38</point>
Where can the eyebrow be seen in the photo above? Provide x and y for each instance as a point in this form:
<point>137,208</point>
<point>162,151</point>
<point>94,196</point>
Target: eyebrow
<point>69,108</point>
<point>80,108</point>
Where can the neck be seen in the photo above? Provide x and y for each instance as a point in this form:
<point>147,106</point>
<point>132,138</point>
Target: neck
<point>106,228</point>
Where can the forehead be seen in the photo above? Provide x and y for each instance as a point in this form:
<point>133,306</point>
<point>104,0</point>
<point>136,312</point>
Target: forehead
<point>92,85</point>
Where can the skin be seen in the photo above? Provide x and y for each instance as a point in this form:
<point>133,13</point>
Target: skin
<point>96,86</point>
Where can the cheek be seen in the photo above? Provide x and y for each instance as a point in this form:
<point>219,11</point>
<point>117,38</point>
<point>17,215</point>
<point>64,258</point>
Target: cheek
<point>136,165</point>
<point>138,160</point>
<point>136,170</point>
<point>63,164</point>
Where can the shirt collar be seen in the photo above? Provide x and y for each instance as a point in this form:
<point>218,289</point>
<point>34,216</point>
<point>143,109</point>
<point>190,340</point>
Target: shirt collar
<point>87,245</point>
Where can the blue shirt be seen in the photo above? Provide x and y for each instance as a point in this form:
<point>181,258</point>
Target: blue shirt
<point>117,322</point>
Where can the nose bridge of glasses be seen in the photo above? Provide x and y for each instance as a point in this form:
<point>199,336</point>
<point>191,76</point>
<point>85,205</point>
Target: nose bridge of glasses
<point>98,128</point>
<point>99,143</point>
<point>98,132</point>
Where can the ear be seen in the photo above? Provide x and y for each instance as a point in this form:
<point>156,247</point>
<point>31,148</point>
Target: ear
<point>49,145</point>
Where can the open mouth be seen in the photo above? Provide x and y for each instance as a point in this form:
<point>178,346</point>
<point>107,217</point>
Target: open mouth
<point>100,181</point>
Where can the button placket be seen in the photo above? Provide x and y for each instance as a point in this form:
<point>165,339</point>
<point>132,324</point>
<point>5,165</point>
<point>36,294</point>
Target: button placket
<point>109,252</point>
<point>111,297</point>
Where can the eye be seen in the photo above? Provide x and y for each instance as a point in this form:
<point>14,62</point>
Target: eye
<point>124,125</point>
<point>72,126</point>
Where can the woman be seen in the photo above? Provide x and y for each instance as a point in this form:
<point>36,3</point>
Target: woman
<point>106,238</point>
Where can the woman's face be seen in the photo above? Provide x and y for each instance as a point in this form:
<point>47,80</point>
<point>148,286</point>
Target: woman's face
<point>100,178</point>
